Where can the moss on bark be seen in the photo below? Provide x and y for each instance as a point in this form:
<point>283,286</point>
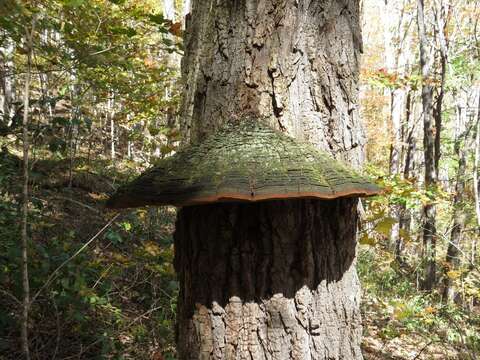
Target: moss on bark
<point>248,161</point>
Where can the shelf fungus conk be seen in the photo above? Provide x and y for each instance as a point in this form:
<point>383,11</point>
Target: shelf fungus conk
<point>244,161</point>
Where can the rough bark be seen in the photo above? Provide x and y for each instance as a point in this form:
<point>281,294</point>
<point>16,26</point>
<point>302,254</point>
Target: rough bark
<point>429,210</point>
<point>291,63</point>
<point>268,281</point>
<point>272,280</point>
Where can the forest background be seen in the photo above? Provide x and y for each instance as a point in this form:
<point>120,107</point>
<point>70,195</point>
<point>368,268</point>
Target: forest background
<point>100,82</point>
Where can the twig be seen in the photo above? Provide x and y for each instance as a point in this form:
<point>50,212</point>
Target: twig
<point>143,315</point>
<point>102,275</point>
<point>423,349</point>
<point>84,246</point>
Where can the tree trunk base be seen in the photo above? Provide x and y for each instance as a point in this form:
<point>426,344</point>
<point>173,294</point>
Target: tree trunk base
<point>270,280</point>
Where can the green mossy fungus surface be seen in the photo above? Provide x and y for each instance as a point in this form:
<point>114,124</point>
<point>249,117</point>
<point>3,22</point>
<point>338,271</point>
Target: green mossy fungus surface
<point>243,161</point>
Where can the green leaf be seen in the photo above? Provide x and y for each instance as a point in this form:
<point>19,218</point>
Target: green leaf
<point>114,237</point>
<point>157,19</point>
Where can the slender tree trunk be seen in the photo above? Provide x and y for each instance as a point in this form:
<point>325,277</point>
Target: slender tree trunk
<point>476,182</point>
<point>429,227</point>
<point>452,260</point>
<point>6,84</point>
<point>441,18</point>
<point>111,116</point>
<point>396,105</point>
<point>396,58</point>
<point>169,9</point>
<point>408,137</point>
<point>172,60</point>
<point>25,200</point>
<point>437,113</point>
<point>393,60</point>
<point>273,280</point>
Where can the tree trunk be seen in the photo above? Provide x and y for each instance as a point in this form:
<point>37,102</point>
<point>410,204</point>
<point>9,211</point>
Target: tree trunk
<point>293,64</point>
<point>452,260</point>
<point>7,86</point>
<point>272,280</point>
<point>169,9</point>
<point>111,117</point>
<point>395,63</point>
<point>268,281</point>
<point>441,17</point>
<point>476,182</point>
<point>429,228</point>
<point>25,198</point>
<point>408,137</point>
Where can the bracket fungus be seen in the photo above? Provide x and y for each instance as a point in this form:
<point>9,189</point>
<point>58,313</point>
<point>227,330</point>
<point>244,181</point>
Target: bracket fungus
<point>243,161</point>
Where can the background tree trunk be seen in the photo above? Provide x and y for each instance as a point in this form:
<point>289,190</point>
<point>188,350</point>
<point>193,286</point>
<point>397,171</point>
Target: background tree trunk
<point>25,197</point>
<point>452,260</point>
<point>476,162</point>
<point>409,139</point>
<point>7,84</point>
<point>441,18</point>
<point>272,280</point>
<point>429,228</point>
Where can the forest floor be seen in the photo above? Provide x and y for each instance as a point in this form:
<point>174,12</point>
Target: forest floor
<point>406,346</point>
<point>135,317</point>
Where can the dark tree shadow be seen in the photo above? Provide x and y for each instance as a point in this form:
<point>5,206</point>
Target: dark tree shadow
<point>255,250</point>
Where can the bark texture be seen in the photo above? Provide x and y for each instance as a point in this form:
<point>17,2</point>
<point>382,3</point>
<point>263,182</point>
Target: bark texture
<point>268,281</point>
<point>293,63</point>
<point>271,280</point>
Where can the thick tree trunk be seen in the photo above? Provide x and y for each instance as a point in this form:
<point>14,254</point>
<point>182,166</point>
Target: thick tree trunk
<point>273,280</point>
<point>429,227</point>
<point>268,281</point>
<point>291,63</point>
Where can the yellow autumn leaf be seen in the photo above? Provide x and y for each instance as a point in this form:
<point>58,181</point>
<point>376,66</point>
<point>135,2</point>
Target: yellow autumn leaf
<point>454,274</point>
